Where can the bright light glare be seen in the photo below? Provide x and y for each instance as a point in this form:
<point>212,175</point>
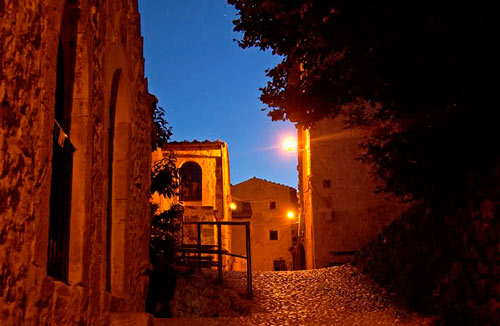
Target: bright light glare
<point>290,144</point>
<point>233,206</point>
<point>290,214</point>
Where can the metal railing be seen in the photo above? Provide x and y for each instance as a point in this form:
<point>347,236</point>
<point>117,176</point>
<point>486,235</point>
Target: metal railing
<point>200,248</point>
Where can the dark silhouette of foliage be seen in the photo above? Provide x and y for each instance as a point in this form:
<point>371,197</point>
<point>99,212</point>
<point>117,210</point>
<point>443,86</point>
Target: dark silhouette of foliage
<point>161,132</point>
<point>424,75</point>
<point>165,177</point>
<point>165,225</point>
<point>165,182</point>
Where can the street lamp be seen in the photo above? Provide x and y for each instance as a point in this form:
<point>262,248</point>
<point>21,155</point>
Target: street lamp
<point>290,144</point>
<point>290,214</point>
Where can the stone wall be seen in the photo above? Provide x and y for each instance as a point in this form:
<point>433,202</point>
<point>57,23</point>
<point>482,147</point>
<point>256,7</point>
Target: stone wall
<point>260,193</point>
<point>449,265</point>
<point>306,235</point>
<point>200,295</point>
<point>339,206</point>
<point>213,159</point>
<point>107,40</point>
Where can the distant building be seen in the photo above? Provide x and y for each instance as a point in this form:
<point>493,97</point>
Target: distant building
<point>339,209</point>
<point>205,190</point>
<point>267,206</point>
<point>75,135</point>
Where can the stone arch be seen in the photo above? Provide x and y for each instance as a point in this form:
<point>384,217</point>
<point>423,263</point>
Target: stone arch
<point>81,137</point>
<point>119,133</point>
<point>63,149</point>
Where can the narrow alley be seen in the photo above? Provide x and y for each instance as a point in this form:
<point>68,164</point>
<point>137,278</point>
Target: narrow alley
<point>327,296</point>
<point>249,162</point>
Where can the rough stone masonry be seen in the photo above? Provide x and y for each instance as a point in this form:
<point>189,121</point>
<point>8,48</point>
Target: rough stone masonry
<point>80,63</point>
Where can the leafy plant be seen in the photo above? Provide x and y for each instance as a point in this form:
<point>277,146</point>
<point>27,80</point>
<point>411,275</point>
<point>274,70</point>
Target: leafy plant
<point>165,224</point>
<point>164,230</point>
<point>165,182</point>
<point>164,176</point>
<point>161,131</point>
<point>423,76</point>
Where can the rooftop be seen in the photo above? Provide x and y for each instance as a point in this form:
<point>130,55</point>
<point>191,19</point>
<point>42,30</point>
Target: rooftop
<point>195,143</point>
<point>264,180</point>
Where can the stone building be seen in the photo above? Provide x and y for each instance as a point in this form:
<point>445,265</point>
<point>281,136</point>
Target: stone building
<point>339,209</point>
<point>271,209</point>
<point>75,142</point>
<point>204,191</point>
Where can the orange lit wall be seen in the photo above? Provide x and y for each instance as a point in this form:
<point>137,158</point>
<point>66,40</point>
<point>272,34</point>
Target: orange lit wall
<point>260,194</point>
<point>340,210</point>
<point>212,157</point>
<point>102,45</point>
<point>305,195</point>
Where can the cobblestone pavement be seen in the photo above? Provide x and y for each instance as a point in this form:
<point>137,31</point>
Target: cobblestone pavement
<point>328,296</point>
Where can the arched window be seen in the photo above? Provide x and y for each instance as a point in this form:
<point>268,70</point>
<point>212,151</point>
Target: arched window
<point>62,149</point>
<point>190,177</point>
<point>111,156</point>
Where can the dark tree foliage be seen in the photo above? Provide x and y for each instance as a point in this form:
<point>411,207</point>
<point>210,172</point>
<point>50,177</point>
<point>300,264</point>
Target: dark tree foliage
<point>426,75</point>
<point>163,238</point>
<point>164,181</point>
<point>164,231</point>
<point>165,177</point>
<point>161,132</point>
<point>165,225</point>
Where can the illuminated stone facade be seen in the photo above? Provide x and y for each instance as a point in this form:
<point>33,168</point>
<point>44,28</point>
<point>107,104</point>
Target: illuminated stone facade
<point>266,205</point>
<point>339,210</point>
<point>208,195</point>
<point>85,192</point>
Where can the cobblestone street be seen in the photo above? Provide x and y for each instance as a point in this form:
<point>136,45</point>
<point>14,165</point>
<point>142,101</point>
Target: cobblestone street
<point>328,296</point>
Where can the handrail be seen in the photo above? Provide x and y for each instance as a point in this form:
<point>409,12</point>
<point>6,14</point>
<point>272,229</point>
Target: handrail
<point>219,223</point>
<point>219,251</point>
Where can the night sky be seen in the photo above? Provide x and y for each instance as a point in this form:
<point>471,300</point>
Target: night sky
<point>208,86</point>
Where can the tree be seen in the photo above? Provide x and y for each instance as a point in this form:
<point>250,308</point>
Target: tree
<point>165,182</point>
<point>425,75</point>
<point>165,225</point>
<point>161,131</point>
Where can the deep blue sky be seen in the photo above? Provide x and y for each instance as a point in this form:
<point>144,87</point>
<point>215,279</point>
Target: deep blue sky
<point>208,86</point>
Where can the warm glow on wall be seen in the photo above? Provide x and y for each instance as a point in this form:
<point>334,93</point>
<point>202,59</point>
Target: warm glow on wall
<point>290,214</point>
<point>290,144</point>
<point>233,206</point>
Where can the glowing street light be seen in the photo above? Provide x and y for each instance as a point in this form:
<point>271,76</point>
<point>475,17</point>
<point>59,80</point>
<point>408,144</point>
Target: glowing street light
<point>290,214</point>
<point>233,206</point>
<point>290,144</point>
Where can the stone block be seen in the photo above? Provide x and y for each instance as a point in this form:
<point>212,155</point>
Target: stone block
<point>131,319</point>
